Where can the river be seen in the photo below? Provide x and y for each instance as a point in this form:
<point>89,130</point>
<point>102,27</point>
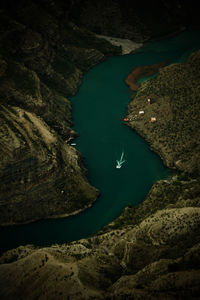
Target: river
<point>98,111</point>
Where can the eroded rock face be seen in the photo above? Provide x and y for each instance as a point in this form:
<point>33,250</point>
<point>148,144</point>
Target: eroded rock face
<point>40,174</point>
<point>151,251</point>
<point>139,21</point>
<point>42,61</point>
<point>158,259</point>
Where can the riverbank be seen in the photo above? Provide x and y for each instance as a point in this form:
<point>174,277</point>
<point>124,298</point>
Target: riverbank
<point>155,245</point>
<point>152,250</point>
<point>39,72</point>
<point>140,72</point>
<point>127,46</point>
<point>172,115</point>
<point>58,216</point>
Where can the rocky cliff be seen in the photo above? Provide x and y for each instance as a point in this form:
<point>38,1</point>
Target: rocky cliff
<point>155,256</point>
<point>151,251</point>
<point>42,62</point>
<point>136,20</point>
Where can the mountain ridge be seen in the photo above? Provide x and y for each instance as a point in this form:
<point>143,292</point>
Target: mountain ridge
<point>151,251</point>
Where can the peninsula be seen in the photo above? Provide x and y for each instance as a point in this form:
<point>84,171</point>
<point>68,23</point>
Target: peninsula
<point>151,251</point>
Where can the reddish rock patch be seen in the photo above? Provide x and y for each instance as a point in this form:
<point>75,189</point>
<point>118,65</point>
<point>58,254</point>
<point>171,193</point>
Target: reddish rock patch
<point>141,71</point>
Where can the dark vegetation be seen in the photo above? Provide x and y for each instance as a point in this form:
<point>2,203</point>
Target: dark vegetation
<point>175,134</point>
<point>43,57</point>
<point>151,251</point>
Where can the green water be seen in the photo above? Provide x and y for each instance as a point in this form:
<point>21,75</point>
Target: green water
<point>98,111</point>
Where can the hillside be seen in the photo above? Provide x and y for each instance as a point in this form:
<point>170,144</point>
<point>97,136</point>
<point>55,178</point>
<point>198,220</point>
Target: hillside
<point>41,64</point>
<point>150,251</point>
<point>156,259</point>
<point>138,20</point>
<point>176,105</point>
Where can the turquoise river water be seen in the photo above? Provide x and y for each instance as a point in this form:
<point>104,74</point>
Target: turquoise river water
<point>98,111</point>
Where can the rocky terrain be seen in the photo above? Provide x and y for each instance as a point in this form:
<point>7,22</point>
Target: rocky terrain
<point>142,71</point>
<point>175,132</point>
<point>127,46</point>
<point>151,251</point>
<point>139,20</point>
<point>153,254</point>
<point>41,65</point>
<point>43,57</point>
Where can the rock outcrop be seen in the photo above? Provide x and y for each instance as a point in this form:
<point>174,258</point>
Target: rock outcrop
<point>174,130</point>
<point>157,259</point>
<point>138,21</point>
<point>151,251</point>
<point>42,62</point>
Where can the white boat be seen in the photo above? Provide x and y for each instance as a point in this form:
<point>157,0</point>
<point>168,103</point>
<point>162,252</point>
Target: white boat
<point>120,161</point>
<point>73,144</point>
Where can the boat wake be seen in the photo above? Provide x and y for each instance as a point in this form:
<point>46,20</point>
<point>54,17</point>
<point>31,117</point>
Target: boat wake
<point>120,161</point>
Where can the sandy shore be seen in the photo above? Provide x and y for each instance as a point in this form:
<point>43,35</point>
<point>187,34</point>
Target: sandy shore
<point>127,45</point>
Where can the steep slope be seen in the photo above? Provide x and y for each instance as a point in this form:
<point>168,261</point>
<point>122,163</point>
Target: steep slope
<point>158,259</point>
<point>151,251</point>
<point>138,21</point>
<point>175,134</point>
<point>42,62</point>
